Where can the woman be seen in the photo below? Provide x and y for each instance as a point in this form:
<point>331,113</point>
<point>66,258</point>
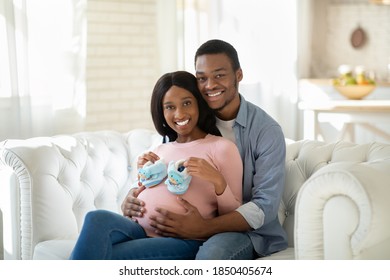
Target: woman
<point>181,115</point>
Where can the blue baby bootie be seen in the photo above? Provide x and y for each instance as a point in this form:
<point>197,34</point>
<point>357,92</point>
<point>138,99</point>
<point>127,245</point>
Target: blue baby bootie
<point>152,174</point>
<point>178,178</point>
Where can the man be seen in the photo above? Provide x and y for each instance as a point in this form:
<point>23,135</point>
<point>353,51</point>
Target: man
<point>253,230</point>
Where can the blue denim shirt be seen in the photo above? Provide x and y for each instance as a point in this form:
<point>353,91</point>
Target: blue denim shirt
<point>261,143</point>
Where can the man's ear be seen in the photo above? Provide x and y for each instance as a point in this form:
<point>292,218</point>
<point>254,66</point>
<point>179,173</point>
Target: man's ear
<point>239,74</point>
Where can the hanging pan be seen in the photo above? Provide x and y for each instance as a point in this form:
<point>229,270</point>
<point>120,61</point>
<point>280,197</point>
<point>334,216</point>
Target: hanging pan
<point>358,38</point>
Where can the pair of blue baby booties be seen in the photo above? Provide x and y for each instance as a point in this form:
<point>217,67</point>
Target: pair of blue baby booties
<point>178,179</point>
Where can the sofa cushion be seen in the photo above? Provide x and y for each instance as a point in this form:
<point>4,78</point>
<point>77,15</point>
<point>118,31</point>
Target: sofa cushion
<point>53,250</point>
<point>287,254</point>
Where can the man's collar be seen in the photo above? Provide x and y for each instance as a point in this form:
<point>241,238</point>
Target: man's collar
<point>241,118</point>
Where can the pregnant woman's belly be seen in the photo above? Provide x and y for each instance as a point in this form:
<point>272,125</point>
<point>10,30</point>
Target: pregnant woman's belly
<point>200,194</point>
<point>157,196</point>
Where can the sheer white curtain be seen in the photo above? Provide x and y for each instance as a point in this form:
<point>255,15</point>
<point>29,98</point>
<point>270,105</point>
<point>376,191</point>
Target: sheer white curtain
<point>265,36</point>
<point>42,69</point>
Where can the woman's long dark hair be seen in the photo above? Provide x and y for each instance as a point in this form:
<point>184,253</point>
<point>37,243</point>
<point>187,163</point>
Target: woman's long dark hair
<point>187,81</point>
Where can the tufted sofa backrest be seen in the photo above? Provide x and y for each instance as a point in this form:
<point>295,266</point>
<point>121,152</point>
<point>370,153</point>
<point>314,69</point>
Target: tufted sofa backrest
<point>61,178</point>
<point>305,157</point>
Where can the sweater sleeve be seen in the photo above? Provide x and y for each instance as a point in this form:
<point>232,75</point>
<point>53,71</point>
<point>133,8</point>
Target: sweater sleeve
<point>228,161</point>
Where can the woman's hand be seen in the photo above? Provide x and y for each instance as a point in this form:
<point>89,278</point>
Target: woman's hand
<point>145,157</point>
<point>132,206</point>
<point>201,168</point>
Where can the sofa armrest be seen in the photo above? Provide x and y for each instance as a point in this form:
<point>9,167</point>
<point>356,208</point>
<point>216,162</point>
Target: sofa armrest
<point>343,212</point>
<point>10,215</point>
<point>48,184</point>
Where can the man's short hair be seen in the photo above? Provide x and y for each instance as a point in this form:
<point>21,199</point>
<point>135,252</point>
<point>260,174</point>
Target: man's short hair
<point>216,46</point>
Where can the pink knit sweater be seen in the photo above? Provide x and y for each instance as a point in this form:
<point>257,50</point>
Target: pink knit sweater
<point>223,155</point>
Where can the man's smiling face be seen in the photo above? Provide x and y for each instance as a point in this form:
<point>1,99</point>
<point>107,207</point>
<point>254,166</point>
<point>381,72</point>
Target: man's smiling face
<point>217,81</point>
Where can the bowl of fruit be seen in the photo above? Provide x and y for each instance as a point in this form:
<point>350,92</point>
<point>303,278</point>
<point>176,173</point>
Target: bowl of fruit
<point>353,85</point>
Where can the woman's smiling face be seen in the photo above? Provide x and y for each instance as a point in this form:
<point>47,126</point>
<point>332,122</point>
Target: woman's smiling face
<point>181,113</point>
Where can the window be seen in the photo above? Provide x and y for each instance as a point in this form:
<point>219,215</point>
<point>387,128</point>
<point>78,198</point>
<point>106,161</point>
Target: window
<point>42,89</point>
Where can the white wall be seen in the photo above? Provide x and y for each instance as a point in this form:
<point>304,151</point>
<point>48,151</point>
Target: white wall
<point>333,24</point>
<point>122,63</point>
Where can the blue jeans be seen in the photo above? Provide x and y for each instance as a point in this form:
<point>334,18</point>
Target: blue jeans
<point>227,246</point>
<point>108,235</point>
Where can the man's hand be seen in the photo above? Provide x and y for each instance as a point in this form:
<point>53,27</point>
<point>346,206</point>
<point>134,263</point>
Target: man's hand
<point>132,206</point>
<point>190,225</point>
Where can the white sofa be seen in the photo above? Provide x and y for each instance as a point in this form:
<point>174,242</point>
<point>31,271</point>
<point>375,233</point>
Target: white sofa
<point>335,204</point>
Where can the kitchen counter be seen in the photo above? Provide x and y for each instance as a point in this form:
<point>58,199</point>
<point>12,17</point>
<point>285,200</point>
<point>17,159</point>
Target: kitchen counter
<point>328,82</point>
<point>322,89</point>
<point>322,104</point>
